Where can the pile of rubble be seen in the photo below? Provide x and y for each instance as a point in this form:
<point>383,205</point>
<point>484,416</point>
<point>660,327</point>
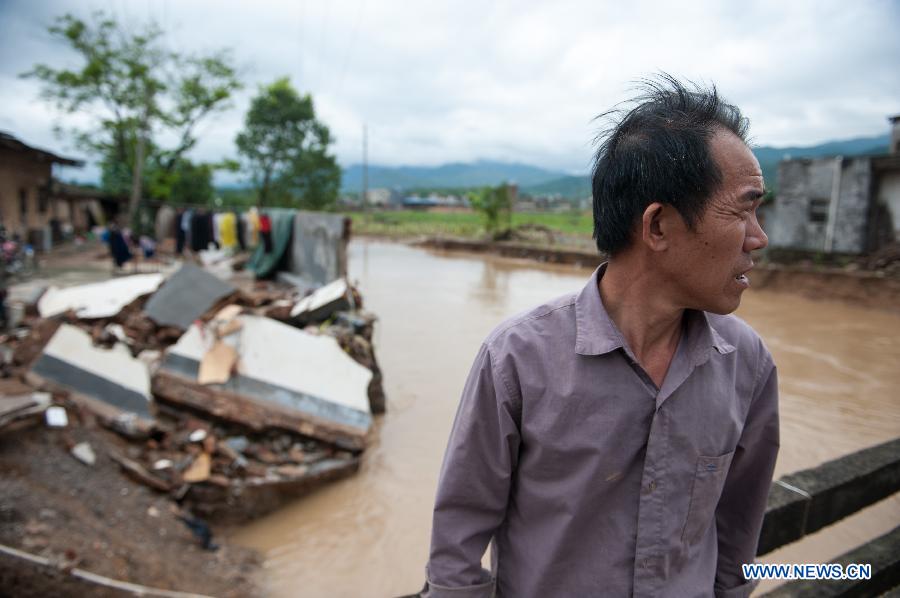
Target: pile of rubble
<point>233,398</point>
<point>886,259</point>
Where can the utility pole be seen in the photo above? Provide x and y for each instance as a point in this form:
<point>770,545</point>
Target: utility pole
<point>365,169</point>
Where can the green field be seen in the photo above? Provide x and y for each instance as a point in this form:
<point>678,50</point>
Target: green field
<point>408,223</point>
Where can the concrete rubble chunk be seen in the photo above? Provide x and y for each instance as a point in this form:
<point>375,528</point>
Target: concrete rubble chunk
<point>25,408</point>
<point>117,331</point>
<point>286,378</point>
<point>110,382</point>
<point>84,453</point>
<point>238,443</point>
<point>322,303</point>
<point>56,417</point>
<point>100,299</point>
<point>186,295</point>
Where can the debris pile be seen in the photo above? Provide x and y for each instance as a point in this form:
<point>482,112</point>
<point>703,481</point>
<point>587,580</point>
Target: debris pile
<point>230,398</point>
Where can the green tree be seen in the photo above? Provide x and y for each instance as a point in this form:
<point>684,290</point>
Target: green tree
<point>186,182</point>
<point>135,91</point>
<point>495,204</point>
<point>286,149</point>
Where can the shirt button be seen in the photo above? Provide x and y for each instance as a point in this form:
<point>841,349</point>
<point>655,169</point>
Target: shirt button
<point>651,486</point>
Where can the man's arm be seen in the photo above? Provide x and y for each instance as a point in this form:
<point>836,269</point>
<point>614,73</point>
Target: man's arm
<point>473,488</point>
<point>742,506</point>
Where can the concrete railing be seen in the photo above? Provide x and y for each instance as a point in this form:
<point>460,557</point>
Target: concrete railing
<point>806,501</point>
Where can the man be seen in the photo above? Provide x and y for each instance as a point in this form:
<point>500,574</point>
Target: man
<point>621,441</point>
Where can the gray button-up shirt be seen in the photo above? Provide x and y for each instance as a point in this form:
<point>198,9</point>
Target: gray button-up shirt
<point>592,481</point>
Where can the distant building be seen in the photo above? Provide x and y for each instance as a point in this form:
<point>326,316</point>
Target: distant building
<point>378,197</point>
<point>895,134</point>
<point>25,194</point>
<point>83,207</point>
<point>838,205</point>
<point>41,210</point>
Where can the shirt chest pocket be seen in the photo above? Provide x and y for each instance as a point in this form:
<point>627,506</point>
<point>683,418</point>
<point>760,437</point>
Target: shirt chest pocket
<point>709,479</point>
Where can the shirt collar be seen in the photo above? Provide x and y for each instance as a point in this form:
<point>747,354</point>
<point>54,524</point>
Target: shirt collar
<point>597,334</point>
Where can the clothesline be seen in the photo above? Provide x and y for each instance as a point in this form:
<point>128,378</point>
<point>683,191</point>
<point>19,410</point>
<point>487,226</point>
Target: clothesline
<point>200,206</point>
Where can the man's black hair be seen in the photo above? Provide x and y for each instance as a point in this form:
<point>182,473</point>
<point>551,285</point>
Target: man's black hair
<point>658,150</point>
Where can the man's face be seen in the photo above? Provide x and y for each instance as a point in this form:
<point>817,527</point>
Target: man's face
<point>713,259</point>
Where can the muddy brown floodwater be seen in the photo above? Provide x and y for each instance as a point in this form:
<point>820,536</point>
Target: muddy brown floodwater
<point>368,535</point>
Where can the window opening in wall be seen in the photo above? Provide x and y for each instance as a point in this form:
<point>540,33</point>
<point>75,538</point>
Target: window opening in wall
<point>818,210</point>
<point>23,205</point>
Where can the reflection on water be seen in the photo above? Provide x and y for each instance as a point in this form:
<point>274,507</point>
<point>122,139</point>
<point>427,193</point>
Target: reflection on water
<point>368,535</point>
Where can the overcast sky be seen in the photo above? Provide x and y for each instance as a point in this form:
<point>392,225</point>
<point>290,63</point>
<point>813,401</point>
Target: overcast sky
<point>513,81</point>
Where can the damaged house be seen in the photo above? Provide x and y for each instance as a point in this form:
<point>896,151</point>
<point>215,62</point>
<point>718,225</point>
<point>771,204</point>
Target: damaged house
<point>844,205</point>
<point>38,207</point>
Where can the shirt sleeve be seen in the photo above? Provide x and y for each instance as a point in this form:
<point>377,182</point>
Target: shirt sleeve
<point>473,488</point>
<point>742,506</point>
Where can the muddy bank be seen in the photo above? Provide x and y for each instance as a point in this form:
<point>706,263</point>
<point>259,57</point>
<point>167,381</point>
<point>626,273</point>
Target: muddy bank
<point>863,289</point>
<point>875,289</point>
<point>550,255</point>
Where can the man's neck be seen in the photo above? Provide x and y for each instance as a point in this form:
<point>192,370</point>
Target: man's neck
<point>649,321</point>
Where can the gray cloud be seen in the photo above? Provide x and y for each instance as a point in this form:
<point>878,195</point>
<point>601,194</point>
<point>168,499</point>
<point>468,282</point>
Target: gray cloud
<point>439,82</point>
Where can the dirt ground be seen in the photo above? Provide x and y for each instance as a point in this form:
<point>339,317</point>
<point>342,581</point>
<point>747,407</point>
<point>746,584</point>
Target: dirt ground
<point>96,519</point>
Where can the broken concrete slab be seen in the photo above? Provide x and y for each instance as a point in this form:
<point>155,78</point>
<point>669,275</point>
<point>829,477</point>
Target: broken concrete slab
<point>100,299</point>
<point>322,303</point>
<point>26,409</point>
<point>285,379</point>
<point>186,295</point>
<point>301,285</point>
<point>243,499</point>
<point>110,382</point>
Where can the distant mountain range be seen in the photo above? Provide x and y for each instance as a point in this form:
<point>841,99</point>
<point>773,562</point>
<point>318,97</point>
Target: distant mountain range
<point>454,175</point>
<point>769,157</point>
<point>580,186</point>
<point>539,181</point>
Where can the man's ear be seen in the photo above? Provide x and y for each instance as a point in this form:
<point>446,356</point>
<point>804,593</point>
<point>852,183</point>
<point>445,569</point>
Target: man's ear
<point>655,227</point>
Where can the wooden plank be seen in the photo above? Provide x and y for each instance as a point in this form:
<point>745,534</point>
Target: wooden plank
<point>137,472</point>
<point>254,414</point>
